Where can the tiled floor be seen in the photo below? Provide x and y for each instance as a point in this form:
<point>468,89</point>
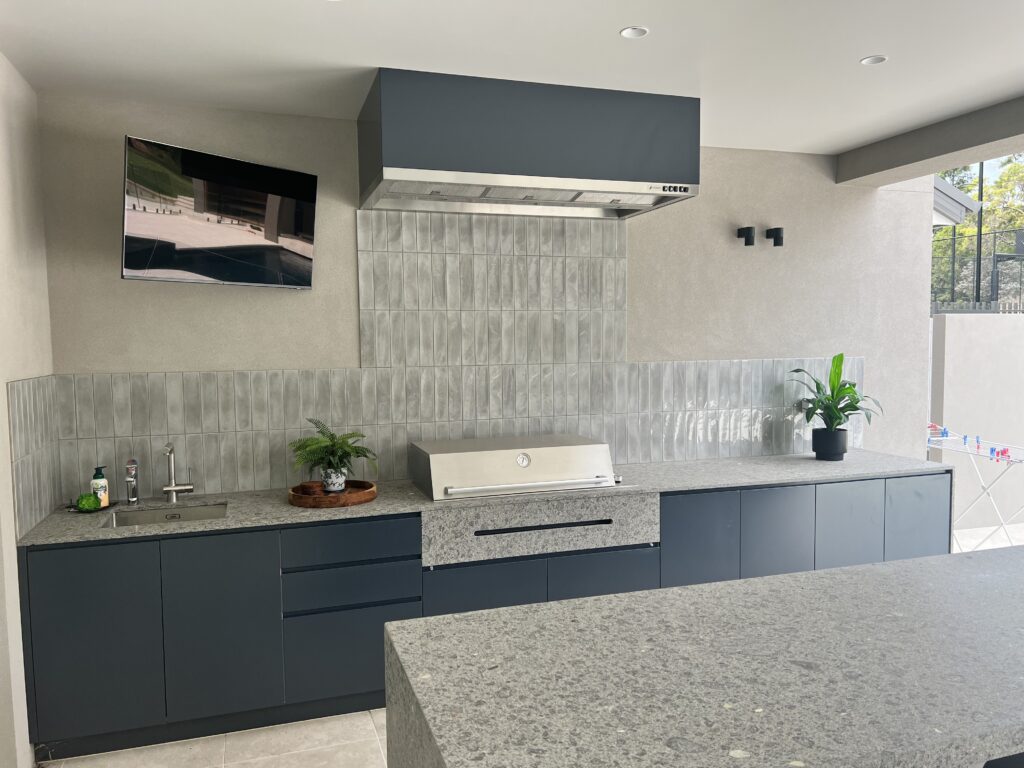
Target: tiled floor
<point>358,740</point>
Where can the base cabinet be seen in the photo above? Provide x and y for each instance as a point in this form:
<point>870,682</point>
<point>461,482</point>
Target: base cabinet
<point>338,653</point>
<point>603,573</point>
<point>700,538</point>
<point>97,642</point>
<point>849,523</point>
<point>222,623</point>
<point>776,531</point>
<point>484,585</point>
<point>917,516</point>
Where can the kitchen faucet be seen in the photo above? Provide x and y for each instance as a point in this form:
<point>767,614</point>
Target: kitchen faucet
<point>173,488</point>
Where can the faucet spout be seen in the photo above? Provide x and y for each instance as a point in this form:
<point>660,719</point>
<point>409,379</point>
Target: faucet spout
<point>173,487</point>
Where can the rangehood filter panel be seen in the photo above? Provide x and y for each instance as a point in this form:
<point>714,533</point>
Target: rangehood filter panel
<point>447,143</point>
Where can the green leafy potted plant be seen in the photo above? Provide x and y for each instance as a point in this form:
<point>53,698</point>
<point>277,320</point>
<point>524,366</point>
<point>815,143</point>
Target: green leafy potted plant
<point>834,405</point>
<point>332,453</point>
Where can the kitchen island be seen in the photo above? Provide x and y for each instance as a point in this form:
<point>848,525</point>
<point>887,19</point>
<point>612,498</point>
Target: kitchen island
<point>916,663</point>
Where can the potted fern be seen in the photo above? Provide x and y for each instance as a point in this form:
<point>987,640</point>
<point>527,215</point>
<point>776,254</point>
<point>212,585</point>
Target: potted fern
<point>332,453</point>
<point>834,405</point>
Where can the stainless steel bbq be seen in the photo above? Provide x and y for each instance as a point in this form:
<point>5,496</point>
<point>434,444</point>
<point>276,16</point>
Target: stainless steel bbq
<point>492,466</point>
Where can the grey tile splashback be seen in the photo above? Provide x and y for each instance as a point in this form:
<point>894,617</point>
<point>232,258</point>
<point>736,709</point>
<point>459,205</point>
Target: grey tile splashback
<point>34,451</point>
<point>469,326</point>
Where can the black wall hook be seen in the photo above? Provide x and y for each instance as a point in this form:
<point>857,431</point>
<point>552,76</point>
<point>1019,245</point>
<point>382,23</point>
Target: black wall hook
<point>775,235</point>
<point>747,233</point>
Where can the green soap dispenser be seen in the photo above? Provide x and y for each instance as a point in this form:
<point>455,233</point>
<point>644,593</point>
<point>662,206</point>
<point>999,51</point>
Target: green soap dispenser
<point>100,487</point>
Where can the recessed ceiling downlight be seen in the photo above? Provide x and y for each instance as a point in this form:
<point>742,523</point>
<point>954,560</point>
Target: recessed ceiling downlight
<point>633,33</point>
<point>870,61</point>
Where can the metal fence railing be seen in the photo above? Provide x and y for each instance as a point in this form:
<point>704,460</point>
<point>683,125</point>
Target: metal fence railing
<point>968,270</point>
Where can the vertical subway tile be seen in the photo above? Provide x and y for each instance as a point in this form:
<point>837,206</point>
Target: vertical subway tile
<point>140,403</point>
<point>339,409</point>
<point>451,233</point>
<point>122,404</point>
<point>196,461</point>
<point>468,332</point>
<point>103,404</point>
<point>422,233</point>
<point>436,233</point>
<point>399,343</point>
<point>480,287</point>
<point>520,286</point>
<point>396,281</point>
<point>353,397</point>
<point>226,402</point>
<point>65,402</point>
<point>424,281</point>
<point>292,404</point>
<point>70,483</point>
<point>453,330</point>
<point>85,415</point>
<point>259,400</point>
<point>381,284</point>
<point>368,396</point>
<point>174,389</point>
<point>364,230</point>
<point>440,324</point>
<point>452,281</point>
<point>493,298</point>
<point>438,281</point>
<point>382,352</point>
<point>413,386</point>
<point>245,461</point>
<point>364,277</point>
<point>394,225</point>
<point>275,399</point>
<point>209,401</point>
<point>383,395</point>
<point>367,339</point>
<point>278,458</point>
<point>441,394</point>
<point>229,461</point>
<point>211,462</point>
<point>379,230</point>
<point>261,460</point>
<point>533,349</point>
<point>243,401</point>
<point>157,403</point>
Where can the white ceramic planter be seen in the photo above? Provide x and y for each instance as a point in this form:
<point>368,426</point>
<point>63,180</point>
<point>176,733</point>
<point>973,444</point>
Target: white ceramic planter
<point>334,481</point>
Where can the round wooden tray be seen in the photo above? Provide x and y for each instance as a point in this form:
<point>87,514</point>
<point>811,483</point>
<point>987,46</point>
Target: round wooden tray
<point>312,495</point>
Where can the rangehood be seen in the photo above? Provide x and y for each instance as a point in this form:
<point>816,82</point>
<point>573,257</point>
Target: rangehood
<point>449,143</point>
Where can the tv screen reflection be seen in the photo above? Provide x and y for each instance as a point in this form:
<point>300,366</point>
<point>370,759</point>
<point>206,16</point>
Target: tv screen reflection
<point>195,217</point>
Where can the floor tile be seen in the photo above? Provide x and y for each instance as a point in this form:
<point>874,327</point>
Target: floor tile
<point>207,752</point>
<point>357,754</point>
<point>380,723</point>
<point>293,737</point>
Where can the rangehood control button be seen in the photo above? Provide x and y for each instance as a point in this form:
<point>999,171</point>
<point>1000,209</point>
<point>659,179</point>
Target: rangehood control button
<point>523,460</point>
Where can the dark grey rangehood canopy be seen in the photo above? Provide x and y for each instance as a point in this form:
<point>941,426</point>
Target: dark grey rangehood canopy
<point>431,142</point>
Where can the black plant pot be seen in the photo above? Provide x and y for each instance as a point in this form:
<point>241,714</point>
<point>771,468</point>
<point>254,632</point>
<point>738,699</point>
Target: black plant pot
<point>828,444</point>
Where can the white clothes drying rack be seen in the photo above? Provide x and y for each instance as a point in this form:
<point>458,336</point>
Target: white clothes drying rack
<point>1010,456</point>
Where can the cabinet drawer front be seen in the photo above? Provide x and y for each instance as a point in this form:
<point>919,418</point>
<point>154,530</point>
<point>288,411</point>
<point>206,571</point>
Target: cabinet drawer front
<point>352,585</point>
<point>97,643</point>
<point>917,516</point>
<point>848,523</point>
<point>488,585</point>
<point>603,573</point>
<point>338,653</point>
<point>349,542</point>
<point>700,538</point>
<point>776,530</point>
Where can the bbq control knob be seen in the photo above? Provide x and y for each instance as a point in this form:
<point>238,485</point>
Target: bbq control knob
<point>523,460</point>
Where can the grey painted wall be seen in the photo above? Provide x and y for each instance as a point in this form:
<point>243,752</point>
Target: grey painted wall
<point>976,370</point>
<point>853,276</point>
<point>25,345</point>
<point>104,323</point>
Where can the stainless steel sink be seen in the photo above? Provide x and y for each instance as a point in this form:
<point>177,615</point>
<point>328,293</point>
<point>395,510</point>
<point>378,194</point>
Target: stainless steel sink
<point>121,518</point>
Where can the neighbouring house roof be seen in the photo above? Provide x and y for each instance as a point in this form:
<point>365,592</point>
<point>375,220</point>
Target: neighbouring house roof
<point>950,205</point>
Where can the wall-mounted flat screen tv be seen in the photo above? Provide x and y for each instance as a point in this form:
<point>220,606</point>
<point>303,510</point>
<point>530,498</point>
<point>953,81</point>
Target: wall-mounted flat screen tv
<point>199,218</point>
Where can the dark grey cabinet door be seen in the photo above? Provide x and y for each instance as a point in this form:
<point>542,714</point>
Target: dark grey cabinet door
<point>487,585</point>
<point>603,573</point>
<point>849,526</point>
<point>222,623</point>
<point>339,653</point>
<point>700,538</point>
<point>97,642</point>
<point>917,516</point>
<point>776,530</point>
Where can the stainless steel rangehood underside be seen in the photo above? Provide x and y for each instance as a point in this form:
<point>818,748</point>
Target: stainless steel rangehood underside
<point>430,142</point>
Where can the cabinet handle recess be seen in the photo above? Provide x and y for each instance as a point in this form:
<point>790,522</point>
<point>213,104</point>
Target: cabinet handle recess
<point>541,527</point>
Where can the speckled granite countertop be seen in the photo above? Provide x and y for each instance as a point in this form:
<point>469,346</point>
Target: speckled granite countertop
<point>907,664</point>
<point>271,508</point>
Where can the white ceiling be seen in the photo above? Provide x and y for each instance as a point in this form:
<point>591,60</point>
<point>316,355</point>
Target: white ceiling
<point>772,74</point>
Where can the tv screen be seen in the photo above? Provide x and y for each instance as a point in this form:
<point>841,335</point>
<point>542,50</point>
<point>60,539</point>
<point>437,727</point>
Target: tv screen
<point>199,218</point>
